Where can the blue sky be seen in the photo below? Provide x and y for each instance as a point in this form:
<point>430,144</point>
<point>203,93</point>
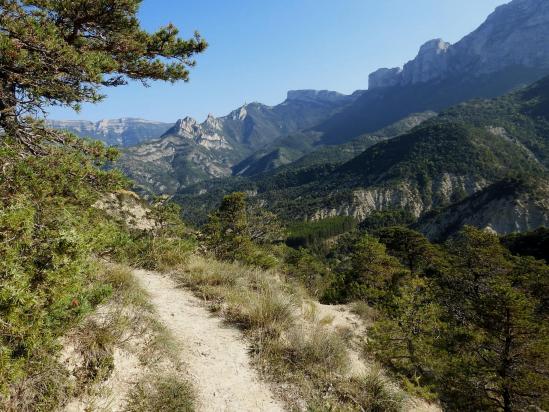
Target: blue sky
<point>259,49</point>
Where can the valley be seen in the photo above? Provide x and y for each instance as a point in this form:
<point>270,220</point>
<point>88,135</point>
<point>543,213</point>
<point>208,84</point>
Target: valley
<point>381,250</point>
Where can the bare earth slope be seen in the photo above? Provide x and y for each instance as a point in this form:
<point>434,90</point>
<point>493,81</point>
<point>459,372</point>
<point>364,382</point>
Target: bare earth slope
<point>216,355</point>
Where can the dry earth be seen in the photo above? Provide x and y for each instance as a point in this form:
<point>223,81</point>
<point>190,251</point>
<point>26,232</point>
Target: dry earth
<point>215,355</point>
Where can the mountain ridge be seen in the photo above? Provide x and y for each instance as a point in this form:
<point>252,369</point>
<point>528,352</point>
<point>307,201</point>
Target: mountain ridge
<point>419,171</point>
<point>123,132</point>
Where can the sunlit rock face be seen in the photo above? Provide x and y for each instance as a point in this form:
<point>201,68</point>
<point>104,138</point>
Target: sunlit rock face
<point>514,35</point>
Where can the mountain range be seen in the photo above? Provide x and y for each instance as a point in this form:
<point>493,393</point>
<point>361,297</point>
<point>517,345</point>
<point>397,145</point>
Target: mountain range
<point>116,132</point>
<point>191,152</point>
<point>320,153</point>
<point>452,167</point>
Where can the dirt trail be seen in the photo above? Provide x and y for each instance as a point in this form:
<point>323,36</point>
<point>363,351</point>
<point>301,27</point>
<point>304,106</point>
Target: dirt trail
<point>216,355</point>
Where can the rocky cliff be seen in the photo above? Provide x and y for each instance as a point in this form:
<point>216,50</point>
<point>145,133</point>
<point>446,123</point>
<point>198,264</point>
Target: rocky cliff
<point>515,34</point>
<point>505,207</point>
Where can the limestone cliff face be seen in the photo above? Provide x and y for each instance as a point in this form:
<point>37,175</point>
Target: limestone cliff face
<point>208,134</point>
<point>308,95</point>
<point>515,34</point>
<point>504,208</point>
<point>405,195</point>
<point>431,63</point>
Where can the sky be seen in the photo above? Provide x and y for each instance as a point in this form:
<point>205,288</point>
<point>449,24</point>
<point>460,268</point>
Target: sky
<point>260,49</point>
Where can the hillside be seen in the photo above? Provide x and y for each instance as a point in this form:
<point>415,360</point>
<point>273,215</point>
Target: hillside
<point>191,152</point>
<point>417,171</point>
<point>307,148</point>
<point>506,206</point>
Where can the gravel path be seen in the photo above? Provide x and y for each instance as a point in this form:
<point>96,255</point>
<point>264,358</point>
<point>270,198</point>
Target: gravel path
<point>216,355</point>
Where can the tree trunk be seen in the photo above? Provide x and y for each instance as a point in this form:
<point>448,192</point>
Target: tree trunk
<point>506,364</point>
<point>8,105</point>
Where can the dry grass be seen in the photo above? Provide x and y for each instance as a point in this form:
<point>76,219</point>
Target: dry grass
<point>372,393</point>
<point>291,347</point>
<point>161,393</point>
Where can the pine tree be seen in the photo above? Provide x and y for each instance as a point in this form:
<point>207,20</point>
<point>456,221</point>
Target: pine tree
<point>62,52</point>
<point>407,336</point>
<point>412,248</point>
<point>503,347</point>
<point>373,273</point>
<point>226,233</point>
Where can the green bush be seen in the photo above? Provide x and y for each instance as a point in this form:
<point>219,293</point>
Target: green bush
<point>49,233</point>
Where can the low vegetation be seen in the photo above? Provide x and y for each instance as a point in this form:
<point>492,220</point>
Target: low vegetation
<point>161,392</point>
<point>52,243</point>
<point>444,318</point>
<point>286,348</point>
<point>465,322</point>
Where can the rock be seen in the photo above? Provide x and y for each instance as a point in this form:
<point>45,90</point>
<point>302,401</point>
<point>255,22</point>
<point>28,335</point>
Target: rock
<point>504,207</point>
<point>430,63</point>
<point>384,78</point>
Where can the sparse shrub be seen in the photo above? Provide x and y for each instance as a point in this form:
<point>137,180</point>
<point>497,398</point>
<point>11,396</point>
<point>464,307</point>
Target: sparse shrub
<point>199,272</point>
<point>307,268</point>
<point>319,350</point>
<point>161,393</point>
<point>167,253</point>
<point>267,310</point>
<point>235,232</point>
<point>372,393</point>
<point>41,388</point>
<point>366,312</point>
<point>260,258</point>
<point>148,251</point>
<point>95,342</point>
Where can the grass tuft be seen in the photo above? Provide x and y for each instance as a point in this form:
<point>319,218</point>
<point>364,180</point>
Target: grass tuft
<point>161,393</point>
<point>372,393</point>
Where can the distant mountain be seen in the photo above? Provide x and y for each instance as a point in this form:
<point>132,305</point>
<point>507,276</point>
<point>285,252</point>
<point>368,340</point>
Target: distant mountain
<point>508,51</point>
<point>314,130</point>
<point>116,132</point>
<point>446,160</point>
<point>190,152</point>
<point>307,148</point>
<point>515,35</point>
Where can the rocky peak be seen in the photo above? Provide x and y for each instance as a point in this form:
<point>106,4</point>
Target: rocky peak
<point>384,78</point>
<point>182,126</point>
<point>435,46</point>
<point>212,123</point>
<point>240,113</point>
